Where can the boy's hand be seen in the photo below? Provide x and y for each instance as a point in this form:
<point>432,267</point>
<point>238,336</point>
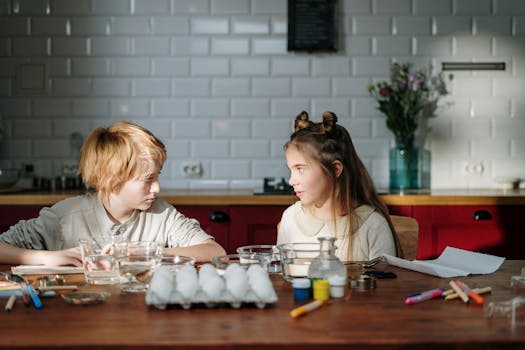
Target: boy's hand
<point>62,257</point>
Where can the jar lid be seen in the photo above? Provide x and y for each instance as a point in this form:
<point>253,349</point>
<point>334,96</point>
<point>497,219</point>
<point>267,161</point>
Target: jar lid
<point>301,283</point>
<point>337,280</point>
<point>321,284</point>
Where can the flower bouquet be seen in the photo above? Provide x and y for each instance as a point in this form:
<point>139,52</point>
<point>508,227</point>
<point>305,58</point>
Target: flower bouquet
<point>407,101</point>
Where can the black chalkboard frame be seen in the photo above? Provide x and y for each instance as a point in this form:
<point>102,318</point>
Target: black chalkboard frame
<point>320,37</point>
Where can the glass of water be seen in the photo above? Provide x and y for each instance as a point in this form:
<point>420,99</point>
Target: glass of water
<point>100,265</point>
<point>137,263</point>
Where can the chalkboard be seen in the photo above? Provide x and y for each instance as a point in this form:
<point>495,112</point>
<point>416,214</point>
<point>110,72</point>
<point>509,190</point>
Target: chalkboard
<point>312,25</point>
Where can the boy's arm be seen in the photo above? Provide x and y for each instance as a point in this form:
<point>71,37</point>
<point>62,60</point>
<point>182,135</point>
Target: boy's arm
<point>202,252</point>
<point>10,254</point>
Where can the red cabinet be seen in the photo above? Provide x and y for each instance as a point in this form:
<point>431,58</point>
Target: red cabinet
<point>237,226</point>
<point>254,225</point>
<point>215,220</point>
<point>491,229</point>
<point>10,215</point>
<point>497,230</point>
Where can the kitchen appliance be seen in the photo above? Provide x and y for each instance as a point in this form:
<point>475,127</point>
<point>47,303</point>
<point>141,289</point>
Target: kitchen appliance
<point>272,185</point>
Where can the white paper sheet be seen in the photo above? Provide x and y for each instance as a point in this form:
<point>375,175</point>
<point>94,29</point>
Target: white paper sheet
<point>452,262</point>
<point>45,270</point>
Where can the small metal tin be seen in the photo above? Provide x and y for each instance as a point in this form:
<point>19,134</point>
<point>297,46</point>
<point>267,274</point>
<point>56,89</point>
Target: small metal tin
<point>51,280</point>
<point>362,282</point>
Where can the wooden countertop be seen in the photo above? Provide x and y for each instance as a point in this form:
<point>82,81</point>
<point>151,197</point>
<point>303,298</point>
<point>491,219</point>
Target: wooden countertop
<point>247,197</point>
<point>376,318</point>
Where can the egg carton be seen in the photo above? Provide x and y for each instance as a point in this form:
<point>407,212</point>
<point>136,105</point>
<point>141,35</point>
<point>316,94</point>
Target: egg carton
<point>163,292</point>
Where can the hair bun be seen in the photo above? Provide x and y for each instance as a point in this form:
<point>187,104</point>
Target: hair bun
<point>329,121</point>
<point>302,121</point>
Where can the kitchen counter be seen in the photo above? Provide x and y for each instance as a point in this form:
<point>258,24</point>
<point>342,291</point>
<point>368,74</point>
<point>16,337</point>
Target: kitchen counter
<point>247,197</point>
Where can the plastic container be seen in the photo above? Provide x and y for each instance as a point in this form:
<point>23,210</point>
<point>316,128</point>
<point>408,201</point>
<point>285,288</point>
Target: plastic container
<point>321,290</point>
<point>301,289</point>
<point>337,286</point>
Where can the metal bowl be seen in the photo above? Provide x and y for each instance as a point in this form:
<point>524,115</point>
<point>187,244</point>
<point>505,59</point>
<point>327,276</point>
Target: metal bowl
<point>9,177</point>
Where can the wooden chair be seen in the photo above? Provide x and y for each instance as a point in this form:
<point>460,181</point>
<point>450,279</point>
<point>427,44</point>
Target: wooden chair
<point>407,230</point>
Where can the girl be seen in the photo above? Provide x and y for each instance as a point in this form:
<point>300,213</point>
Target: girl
<point>121,164</point>
<point>337,196</point>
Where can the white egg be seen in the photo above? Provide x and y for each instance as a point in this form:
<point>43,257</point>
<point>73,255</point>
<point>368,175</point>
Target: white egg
<point>213,287</point>
<point>237,282</point>
<point>262,287</point>
<point>206,272</point>
<point>256,270</point>
<point>231,268</point>
<point>187,282</point>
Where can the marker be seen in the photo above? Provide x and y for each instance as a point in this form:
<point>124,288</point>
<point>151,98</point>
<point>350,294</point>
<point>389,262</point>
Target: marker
<point>475,296</point>
<point>427,295</point>
<point>10,303</point>
<point>301,310</point>
<point>447,292</point>
<point>483,290</point>
<point>34,297</point>
<point>459,291</point>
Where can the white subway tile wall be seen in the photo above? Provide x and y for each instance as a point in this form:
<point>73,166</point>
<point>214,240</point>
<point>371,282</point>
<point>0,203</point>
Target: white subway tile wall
<point>214,80</point>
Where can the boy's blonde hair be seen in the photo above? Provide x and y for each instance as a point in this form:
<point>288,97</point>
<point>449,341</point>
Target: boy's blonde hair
<point>123,151</point>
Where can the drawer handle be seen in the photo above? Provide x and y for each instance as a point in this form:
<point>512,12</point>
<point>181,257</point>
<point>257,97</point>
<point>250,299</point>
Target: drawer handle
<point>482,215</point>
<point>219,216</point>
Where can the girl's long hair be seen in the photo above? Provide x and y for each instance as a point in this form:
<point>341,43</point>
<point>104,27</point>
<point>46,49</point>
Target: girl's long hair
<point>327,142</point>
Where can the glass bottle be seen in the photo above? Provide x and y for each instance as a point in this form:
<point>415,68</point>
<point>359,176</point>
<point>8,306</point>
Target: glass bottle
<point>327,264</point>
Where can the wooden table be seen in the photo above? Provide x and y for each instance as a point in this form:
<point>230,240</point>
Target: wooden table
<point>368,319</point>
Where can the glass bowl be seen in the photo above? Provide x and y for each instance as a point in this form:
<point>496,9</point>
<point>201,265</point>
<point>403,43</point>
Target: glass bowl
<point>267,251</point>
<point>222,262</point>
<point>296,258</point>
<point>176,262</point>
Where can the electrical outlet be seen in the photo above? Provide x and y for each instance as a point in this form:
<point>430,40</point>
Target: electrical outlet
<point>192,169</point>
<point>475,168</point>
<point>69,168</point>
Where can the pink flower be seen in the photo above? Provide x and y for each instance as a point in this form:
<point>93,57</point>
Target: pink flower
<point>384,91</point>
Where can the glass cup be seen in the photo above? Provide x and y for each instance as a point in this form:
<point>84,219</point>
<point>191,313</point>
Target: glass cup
<point>137,262</point>
<point>100,265</point>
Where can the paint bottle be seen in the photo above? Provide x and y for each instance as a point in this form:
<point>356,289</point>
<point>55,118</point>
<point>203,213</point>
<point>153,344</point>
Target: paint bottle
<point>321,290</point>
<point>301,289</point>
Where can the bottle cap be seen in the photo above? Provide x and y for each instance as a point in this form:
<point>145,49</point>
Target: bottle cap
<point>301,283</point>
<point>337,280</point>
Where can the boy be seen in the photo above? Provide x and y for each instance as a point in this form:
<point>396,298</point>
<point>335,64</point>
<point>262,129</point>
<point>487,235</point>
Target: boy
<point>121,164</point>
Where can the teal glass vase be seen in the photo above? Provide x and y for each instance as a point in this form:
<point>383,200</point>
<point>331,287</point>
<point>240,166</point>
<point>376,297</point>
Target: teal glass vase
<point>409,168</point>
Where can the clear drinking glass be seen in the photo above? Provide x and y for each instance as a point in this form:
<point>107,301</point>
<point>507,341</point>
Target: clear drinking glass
<point>100,265</point>
<point>137,263</point>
